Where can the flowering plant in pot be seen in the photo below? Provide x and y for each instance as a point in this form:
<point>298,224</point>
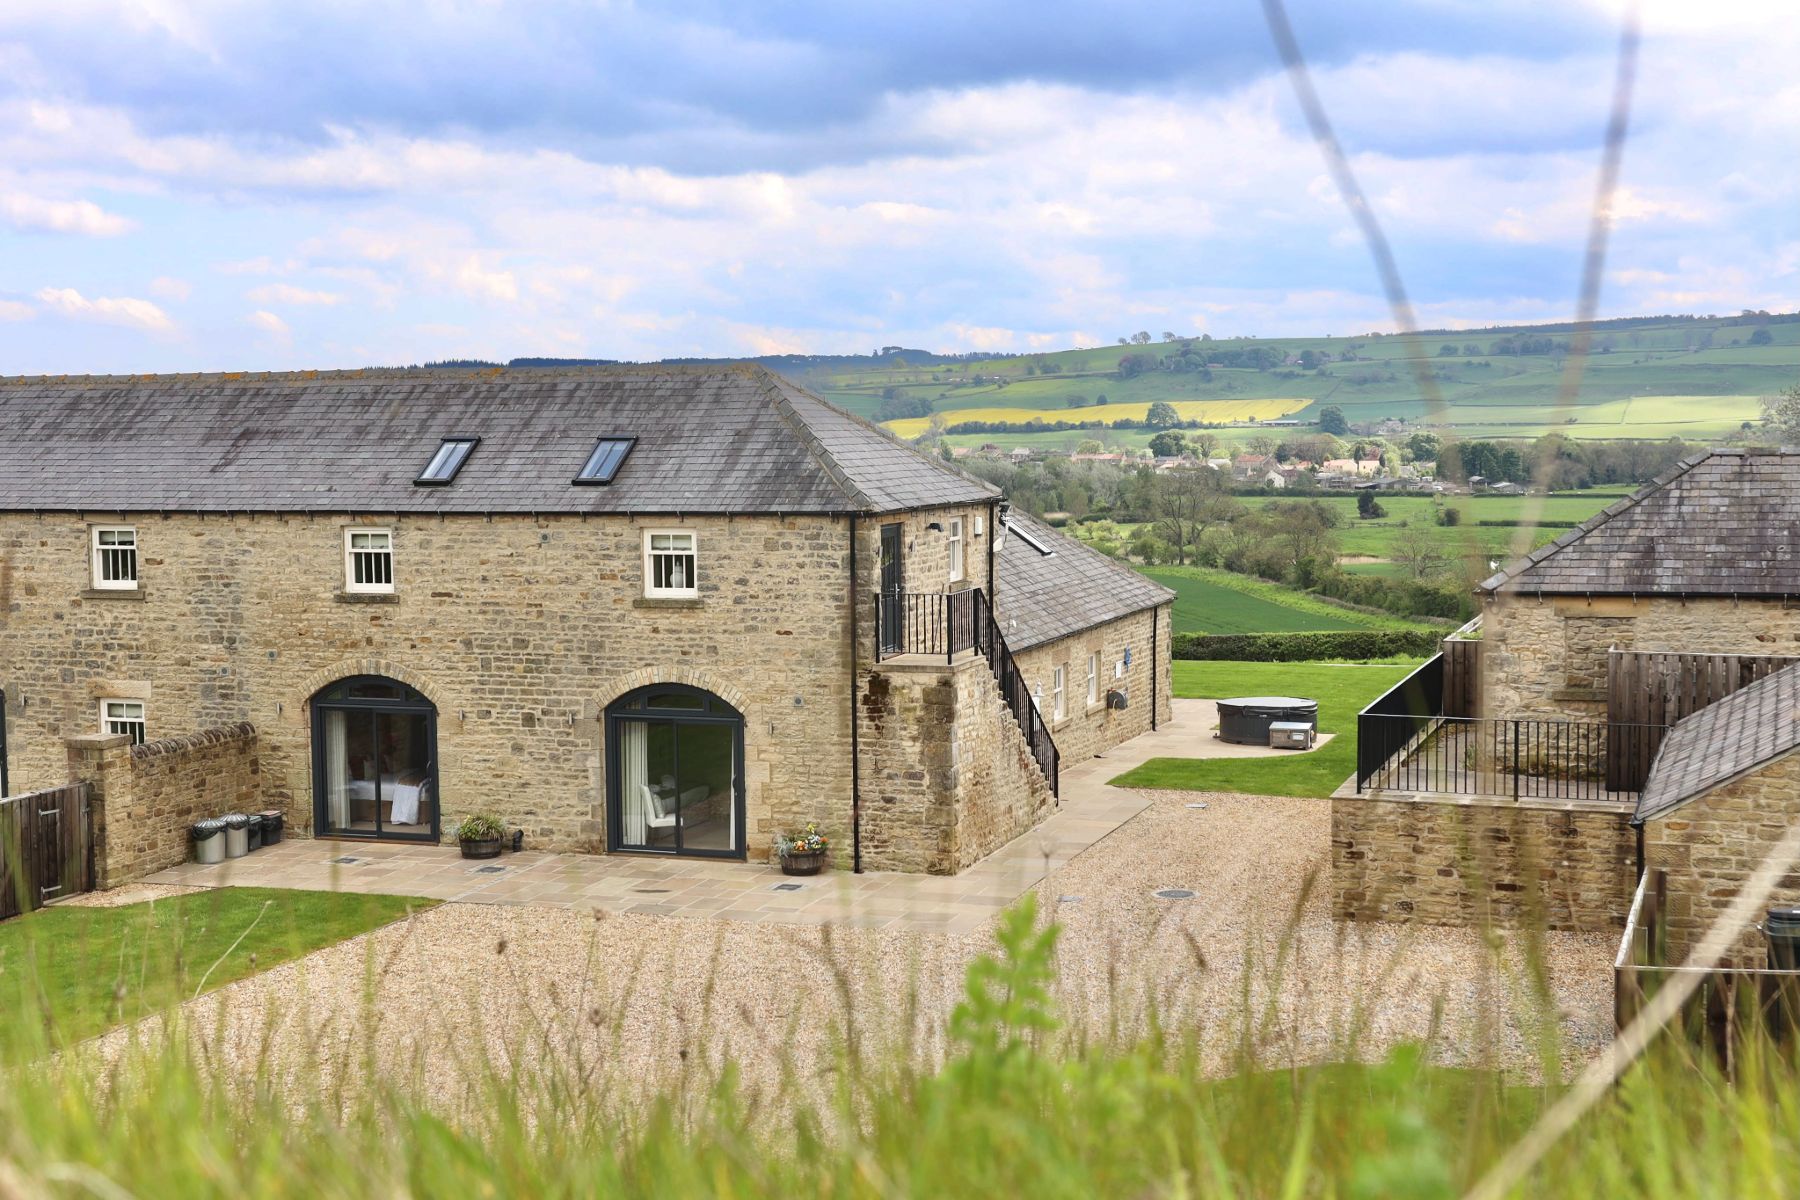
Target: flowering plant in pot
<point>802,853</point>
<point>480,836</point>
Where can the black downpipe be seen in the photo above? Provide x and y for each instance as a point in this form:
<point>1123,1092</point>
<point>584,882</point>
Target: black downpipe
<point>5,789</point>
<point>1640,853</point>
<point>855,744</point>
<point>993,535</point>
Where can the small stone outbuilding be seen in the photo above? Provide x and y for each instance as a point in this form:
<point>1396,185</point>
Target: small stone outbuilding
<point>1724,789</point>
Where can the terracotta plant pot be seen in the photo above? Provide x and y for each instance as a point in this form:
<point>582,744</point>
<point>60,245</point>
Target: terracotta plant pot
<point>486,848</point>
<point>808,863</point>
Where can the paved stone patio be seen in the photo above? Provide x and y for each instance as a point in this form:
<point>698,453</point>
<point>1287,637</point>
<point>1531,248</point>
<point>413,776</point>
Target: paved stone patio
<point>955,904</point>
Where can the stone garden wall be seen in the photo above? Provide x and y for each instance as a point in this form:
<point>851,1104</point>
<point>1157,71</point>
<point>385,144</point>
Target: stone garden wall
<point>1441,860</point>
<point>145,797</point>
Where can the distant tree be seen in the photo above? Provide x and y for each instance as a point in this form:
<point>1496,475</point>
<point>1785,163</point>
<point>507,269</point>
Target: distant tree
<point>1124,341</point>
<point>1450,516</point>
<point>1206,337</point>
<point>1447,350</point>
<point>1781,415</point>
<point>1761,337</point>
<point>1310,359</point>
<point>1170,443</point>
<point>1424,446</point>
<point>1367,507</point>
<point>1087,446</point>
<point>1331,420</point>
<point>1471,350</point>
<point>1141,337</point>
<point>1205,444</point>
<point>1162,415</point>
<point>1418,551</point>
<point>1100,399</point>
<point>1169,336</point>
<point>1261,444</point>
<point>1135,364</point>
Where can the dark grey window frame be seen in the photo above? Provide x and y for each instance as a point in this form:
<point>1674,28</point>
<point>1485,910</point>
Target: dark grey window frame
<point>584,479</point>
<point>456,464</point>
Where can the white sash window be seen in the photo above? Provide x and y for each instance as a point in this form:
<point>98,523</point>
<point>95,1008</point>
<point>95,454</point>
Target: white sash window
<point>115,558</point>
<point>368,560</point>
<point>670,562</point>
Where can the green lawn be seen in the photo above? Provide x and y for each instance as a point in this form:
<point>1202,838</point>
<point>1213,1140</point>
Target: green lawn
<point>1377,538</point>
<point>1342,690</point>
<point>85,970</point>
<point>1213,601</point>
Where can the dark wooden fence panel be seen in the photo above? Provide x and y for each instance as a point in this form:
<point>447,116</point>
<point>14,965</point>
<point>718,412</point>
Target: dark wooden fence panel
<point>1655,688</point>
<point>46,848</point>
<point>1462,677</point>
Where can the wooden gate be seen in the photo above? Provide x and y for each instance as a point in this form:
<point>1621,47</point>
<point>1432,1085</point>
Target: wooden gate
<point>1656,689</point>
<point>46,848</point>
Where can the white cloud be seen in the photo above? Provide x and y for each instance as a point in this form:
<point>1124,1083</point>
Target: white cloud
<point>16,310</point>
<point>81,217</point>
<point>171,288</point>
<point>107,310</point>
<point>287,293</point>
<point>269,323</point>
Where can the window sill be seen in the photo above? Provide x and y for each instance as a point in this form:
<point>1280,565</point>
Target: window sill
<point>668,602</point>
<point>1059,723</point>
<point>367,597</point>
<point>112,593</point>
<point>1096,708</point>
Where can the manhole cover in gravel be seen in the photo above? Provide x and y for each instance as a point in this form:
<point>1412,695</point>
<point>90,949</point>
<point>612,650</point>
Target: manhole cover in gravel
<point>787,887</point>
<point>346,860</point>
<point>1196,806</point>
<point>1174,894</point>
<point>651,891</point>
<point>489,870</point>
<point>1068,899</point>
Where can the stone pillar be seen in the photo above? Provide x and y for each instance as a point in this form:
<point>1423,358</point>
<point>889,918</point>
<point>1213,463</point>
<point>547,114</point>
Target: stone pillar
<point>103,761</point>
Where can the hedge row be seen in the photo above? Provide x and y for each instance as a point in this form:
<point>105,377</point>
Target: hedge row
<point>1306,647</point>
<point>1533,524</point>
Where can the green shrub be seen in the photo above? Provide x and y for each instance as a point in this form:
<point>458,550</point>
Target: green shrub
<point>1306,647</point>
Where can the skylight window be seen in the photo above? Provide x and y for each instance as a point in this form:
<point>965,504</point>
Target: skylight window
<point>1029,539</point>
<point>604,463</point>
<point>448,460</point>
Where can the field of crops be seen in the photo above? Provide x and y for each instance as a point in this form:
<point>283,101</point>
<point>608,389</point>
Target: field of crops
<point>1406,515</point>
<point>1210,411</point>
<point>1210,601</point>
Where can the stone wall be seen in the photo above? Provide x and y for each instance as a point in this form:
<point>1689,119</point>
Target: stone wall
<point>947,776</point>
<point>1711,845</point>
<point>1547,656</point>
<point>1442,860</point>
<point>1088,730</point>
<point>519,630</point>
<point>145,797</point>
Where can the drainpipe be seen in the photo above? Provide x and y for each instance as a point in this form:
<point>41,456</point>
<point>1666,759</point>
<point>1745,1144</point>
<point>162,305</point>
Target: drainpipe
<point>1155,641</point>
<point>1640,850</point>
<point>855,744</point>
<point>993,532</point>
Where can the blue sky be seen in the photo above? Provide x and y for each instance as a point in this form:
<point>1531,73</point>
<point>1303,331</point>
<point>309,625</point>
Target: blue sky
<point>217,185</point>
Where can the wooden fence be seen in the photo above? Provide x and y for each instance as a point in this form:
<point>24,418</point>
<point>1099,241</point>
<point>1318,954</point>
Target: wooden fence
<point>46,848</point>
<point>1462,671</point>
<point>1654,688</point>
<point>1727,1003</point>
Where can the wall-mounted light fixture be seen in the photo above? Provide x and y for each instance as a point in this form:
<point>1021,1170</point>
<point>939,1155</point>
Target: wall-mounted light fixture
<point>934,527</point>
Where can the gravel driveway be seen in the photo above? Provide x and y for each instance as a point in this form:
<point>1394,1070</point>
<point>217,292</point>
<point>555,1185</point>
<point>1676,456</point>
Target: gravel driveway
<point>631,1002</point>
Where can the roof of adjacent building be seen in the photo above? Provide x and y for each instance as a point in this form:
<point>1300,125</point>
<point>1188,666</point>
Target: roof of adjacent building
<point>1722,523</point>
<point>1042,597</point>
<point>714,439</point>
<point>1722,741</point>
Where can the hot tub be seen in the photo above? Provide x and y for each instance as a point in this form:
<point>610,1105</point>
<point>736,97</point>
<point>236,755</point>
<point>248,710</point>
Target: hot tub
<point>1246,719</point>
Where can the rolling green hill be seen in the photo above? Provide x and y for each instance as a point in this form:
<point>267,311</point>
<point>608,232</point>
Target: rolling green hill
<point>1210,601</point>
<point>1695,378</point>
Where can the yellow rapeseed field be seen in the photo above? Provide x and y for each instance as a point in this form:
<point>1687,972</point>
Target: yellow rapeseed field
<point>1214,411</point>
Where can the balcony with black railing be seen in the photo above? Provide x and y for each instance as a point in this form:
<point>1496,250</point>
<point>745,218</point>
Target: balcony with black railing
<point>1405,742</point>
<point>957,626</point>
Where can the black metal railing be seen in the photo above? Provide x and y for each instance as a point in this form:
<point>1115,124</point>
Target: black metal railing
<point>991,645</point>
<point>945,625</point>
<point>1523,757</point>
<point>1404,742</point>
<point>932,623</point>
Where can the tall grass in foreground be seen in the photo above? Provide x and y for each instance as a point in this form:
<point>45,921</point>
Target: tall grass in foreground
<point>1013,1111</point>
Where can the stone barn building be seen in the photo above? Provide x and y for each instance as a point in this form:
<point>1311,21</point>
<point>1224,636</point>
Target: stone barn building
<point>637,609</point>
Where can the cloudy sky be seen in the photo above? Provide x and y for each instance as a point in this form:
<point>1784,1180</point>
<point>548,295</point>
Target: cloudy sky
<point>225,185</point>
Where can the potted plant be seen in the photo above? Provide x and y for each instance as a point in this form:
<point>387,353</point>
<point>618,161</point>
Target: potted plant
<point>480,836</point>
<point>803,854</point>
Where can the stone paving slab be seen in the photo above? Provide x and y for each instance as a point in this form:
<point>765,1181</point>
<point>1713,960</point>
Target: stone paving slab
<point>1090,811</point>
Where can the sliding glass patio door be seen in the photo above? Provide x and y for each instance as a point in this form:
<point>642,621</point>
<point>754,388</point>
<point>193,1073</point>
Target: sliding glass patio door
<point>675,773</point>
<point>375,762</point>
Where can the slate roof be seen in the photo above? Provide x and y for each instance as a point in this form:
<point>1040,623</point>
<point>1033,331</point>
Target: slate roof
<point>1722,523</point>
<point>1722,741</point>
<point>1040,598</point>
<point>713,439</point>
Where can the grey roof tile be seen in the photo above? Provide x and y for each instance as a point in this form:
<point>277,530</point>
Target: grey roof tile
<point>1040,598</point>
<point>1722,523</point>
<point>710,440</point>
<point>1722,741</point>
